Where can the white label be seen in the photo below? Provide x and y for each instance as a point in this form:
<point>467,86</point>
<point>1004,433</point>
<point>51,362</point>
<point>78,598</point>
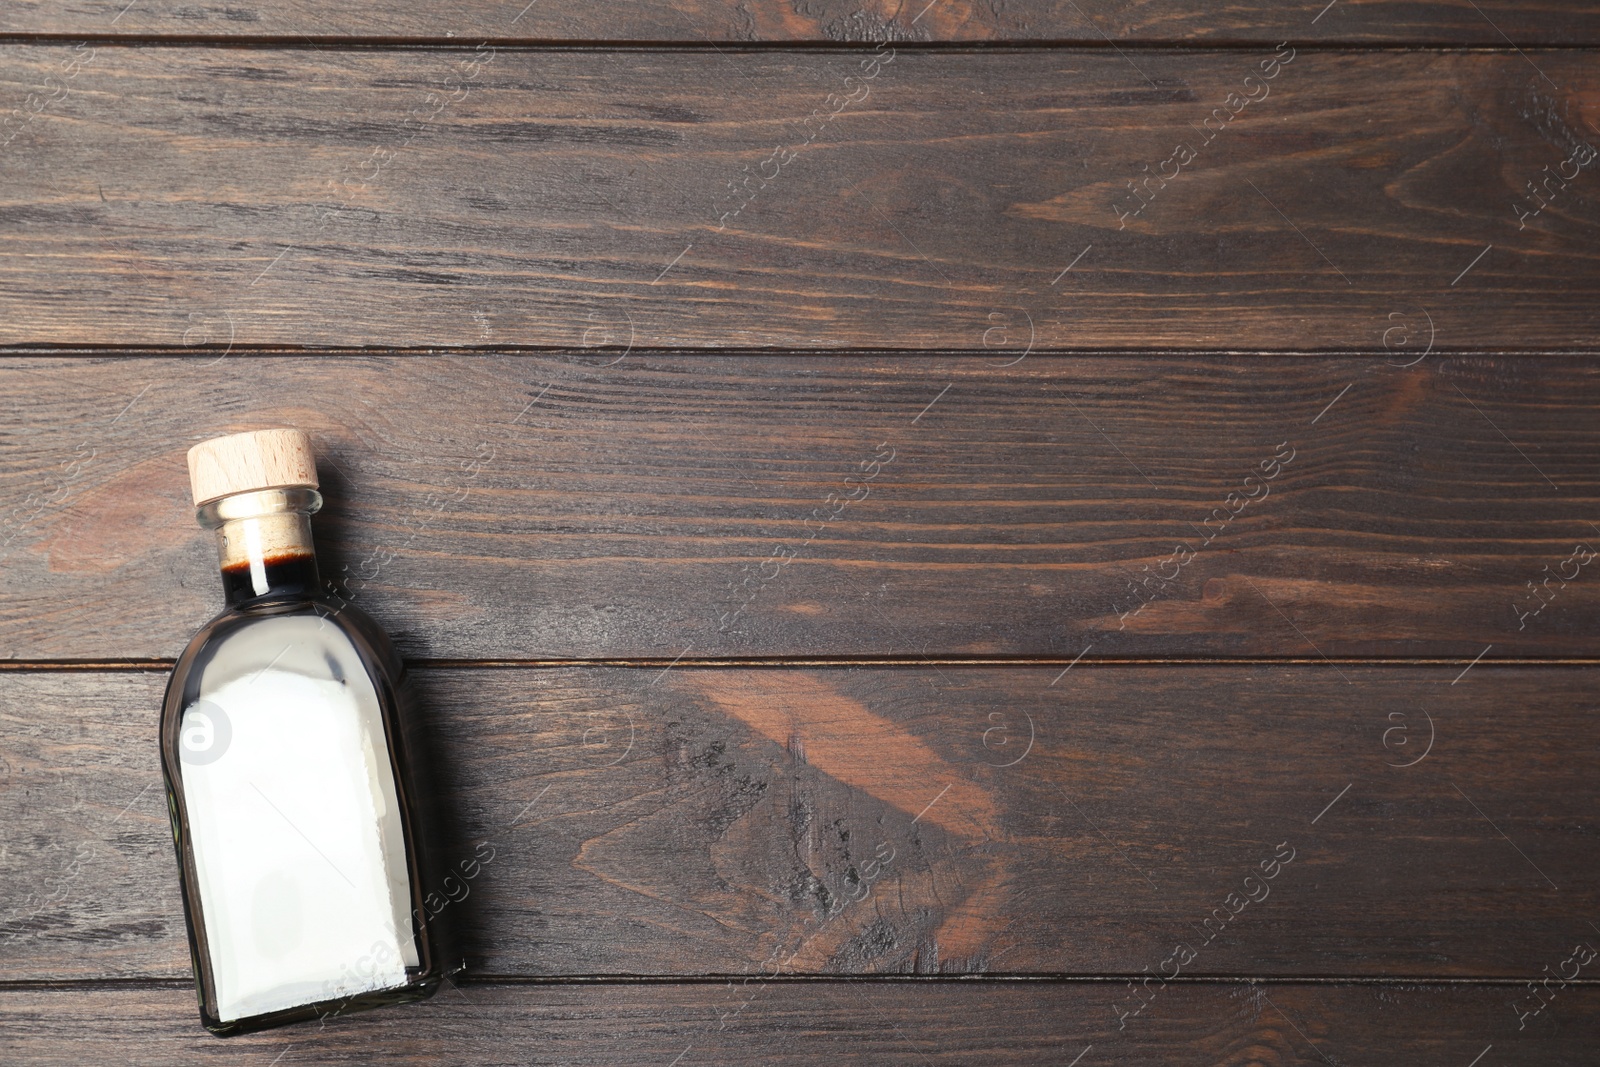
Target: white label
<point>293,823</point>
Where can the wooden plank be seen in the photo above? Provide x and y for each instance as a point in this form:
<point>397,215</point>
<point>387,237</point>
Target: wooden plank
<point>820,506</point>
<point>976,202</point>
<point>866,820</point>
<point>1492,23</point>
<point>928,1023</point>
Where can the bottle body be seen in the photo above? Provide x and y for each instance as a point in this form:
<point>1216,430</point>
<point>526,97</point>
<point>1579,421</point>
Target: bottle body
<point>291,760</point>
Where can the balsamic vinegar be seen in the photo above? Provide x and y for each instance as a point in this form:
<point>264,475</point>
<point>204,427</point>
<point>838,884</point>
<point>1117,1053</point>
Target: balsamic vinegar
<point>291,763</point>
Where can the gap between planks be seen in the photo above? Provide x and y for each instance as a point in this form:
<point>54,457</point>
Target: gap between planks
<point>209,353</point>
<point>379,43</point>
<point>83,984</point>
<point>657,663</point>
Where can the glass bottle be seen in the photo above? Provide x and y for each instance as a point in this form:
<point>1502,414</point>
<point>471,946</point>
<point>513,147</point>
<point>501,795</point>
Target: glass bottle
<point>292,767</point>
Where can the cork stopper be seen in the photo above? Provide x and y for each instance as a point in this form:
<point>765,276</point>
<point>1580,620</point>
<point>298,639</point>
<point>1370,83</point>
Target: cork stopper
<point>246,462</point>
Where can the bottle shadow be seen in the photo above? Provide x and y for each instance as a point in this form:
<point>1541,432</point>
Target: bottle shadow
<point>455,854</point>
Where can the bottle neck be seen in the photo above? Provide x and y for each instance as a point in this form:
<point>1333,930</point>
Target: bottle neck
<point>264,543</point>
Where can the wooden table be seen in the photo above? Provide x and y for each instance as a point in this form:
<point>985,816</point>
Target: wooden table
<point>967,533</point>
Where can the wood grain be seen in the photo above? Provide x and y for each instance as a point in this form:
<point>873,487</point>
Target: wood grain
<point>945,821</point>
<point>884,685</point>
<point>576,506</point>
<point>228,197</point>
<point>1492,22</point>
<point>999,1023</point>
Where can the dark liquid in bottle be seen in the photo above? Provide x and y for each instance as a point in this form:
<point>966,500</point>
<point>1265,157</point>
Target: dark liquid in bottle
<point>287,577</point>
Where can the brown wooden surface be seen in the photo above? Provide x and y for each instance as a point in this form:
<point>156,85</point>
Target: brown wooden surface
<point>789,1024</point>
<point>1491,22</point>
<point>188,196</point>
<point>687,759</point>
<point>710,821</point>
<point>635,509</point>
